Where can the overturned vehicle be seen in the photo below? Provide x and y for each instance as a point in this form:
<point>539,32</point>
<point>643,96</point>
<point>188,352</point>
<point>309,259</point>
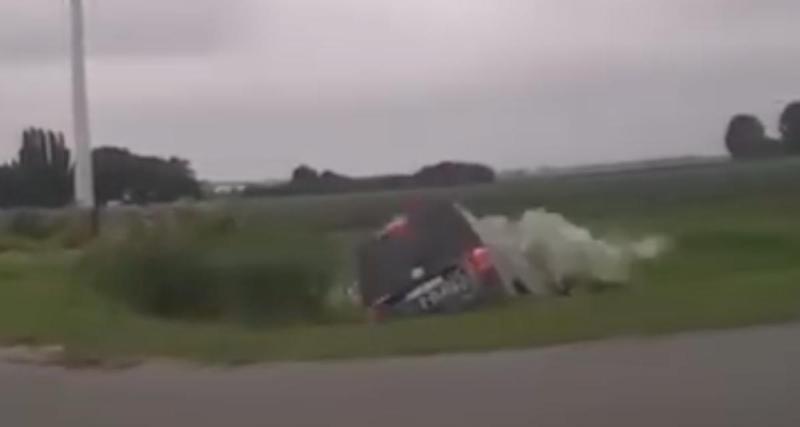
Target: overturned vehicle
<point>439,258</point>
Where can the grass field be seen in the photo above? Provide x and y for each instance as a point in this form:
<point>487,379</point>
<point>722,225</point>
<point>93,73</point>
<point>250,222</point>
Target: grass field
<point>736,231</point>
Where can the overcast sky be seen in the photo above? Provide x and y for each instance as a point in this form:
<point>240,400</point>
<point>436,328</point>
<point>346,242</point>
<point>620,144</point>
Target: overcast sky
<point>248,89</point>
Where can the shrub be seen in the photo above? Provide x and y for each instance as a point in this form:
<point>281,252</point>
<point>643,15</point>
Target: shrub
<point>75,235</point>
<point>30,224</point>
<point>215,270</point>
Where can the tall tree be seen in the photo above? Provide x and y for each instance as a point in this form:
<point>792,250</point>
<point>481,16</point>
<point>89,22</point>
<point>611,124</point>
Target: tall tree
<point>42,174</point>
<point>43,169</point>
<point>790,127</point>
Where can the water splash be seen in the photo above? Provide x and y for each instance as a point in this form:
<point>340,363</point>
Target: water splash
<point>548,254</point>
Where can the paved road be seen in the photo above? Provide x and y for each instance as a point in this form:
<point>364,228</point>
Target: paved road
<point>738,378</point>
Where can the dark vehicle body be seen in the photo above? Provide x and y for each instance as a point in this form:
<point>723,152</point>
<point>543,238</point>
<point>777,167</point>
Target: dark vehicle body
<point>428,260</point>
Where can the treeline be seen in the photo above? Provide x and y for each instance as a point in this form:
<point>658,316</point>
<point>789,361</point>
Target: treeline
<point>746,137</point>
<point>42,175</point>
<point>306,180</point>
<point>134,179</point>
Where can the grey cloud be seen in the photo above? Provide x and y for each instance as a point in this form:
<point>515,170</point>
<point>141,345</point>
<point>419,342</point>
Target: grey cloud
<point>366,86</point>
<point>619,114</point>
<point>746,9</point>
<point>35,30</point>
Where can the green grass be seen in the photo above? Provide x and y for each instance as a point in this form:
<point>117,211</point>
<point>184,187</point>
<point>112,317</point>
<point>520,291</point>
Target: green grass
<point>736,235</point>
<point>255,273</point>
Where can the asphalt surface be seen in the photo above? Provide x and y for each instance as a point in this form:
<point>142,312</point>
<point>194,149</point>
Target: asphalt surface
<point>736,378</point>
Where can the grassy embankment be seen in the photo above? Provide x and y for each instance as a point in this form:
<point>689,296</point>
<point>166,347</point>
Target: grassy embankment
<point>736,232</point>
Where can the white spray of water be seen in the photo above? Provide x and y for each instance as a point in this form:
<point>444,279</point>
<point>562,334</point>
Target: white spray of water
<point>544,251</point>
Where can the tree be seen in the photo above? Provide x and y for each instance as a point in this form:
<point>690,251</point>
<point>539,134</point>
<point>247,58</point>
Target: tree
<point>42,174</point>
<point>304,174</point>
<point>43,169</point>
<point>454,173</point>
<point>11,186</point>
<point>124,176</point>
<point>746,138</point>
<point>790,127</point>
<point>43,149</point>
<point>112,173</point>
<point>744,132</point>
<point>306,180</point>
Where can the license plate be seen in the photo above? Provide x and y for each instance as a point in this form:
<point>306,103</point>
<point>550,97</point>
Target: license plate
<point>430,294</point>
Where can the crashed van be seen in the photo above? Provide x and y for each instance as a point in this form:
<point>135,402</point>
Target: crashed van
<point>432,259</point>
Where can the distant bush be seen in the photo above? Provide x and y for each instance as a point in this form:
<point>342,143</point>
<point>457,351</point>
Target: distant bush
<point>11,243</point>
<point>74,231</point>
<point>308,181</point>
<point>66,229</point>
<point>216,269</point>
<point>30,224</point>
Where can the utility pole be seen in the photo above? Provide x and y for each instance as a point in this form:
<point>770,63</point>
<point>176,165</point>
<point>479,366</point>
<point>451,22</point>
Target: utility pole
<point>84,179</point>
